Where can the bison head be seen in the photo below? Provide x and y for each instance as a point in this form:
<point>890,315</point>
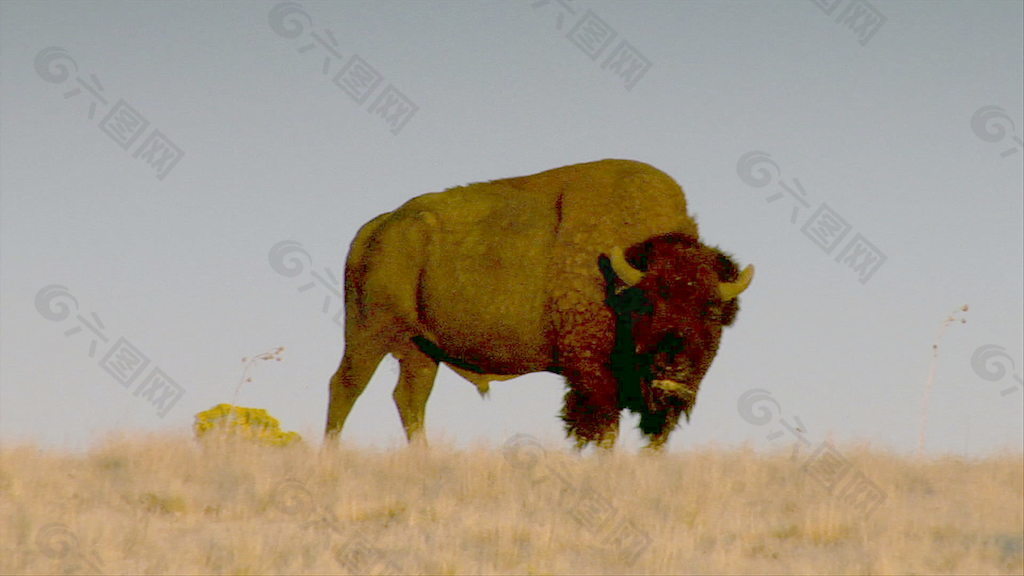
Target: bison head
<point>671,296</point>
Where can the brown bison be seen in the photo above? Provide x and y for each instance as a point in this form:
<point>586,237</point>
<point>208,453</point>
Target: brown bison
<point>593,271</point>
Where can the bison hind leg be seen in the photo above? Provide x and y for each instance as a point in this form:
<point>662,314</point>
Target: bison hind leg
<point>357,367</point>
<point>415,382</point>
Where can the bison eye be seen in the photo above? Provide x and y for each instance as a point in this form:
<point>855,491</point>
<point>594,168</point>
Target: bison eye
<point>671,344</point>
<point>711,311</point>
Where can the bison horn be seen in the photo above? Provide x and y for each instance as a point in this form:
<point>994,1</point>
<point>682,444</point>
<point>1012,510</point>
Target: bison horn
<point>730,290</point>
<point>624,270</point>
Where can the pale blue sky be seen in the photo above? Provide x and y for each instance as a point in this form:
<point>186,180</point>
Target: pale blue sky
<point>870,113</point>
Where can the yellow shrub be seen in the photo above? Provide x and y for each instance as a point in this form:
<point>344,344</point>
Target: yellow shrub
<point>251,423</point>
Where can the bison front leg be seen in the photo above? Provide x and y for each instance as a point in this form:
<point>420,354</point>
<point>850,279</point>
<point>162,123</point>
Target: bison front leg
<point>658,426</point>
<point>412,392</point>
<point>591,412</point>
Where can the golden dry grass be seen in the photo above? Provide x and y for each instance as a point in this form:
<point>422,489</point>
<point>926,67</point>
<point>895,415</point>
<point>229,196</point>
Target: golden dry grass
<point>168,505</point>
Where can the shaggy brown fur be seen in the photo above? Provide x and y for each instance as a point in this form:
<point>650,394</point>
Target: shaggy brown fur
<point>502,278</point>
<point>668,326</point>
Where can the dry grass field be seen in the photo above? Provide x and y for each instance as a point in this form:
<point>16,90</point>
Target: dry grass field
<point>169,505</point>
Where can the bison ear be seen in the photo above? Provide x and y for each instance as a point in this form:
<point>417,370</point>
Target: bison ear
<point>726,268</point>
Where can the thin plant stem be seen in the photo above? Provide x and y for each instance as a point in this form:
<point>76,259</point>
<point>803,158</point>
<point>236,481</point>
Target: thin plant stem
<point>274,354</point>
<point>930,383</point>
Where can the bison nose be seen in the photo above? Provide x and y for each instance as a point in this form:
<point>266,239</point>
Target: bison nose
<point>670,386</point>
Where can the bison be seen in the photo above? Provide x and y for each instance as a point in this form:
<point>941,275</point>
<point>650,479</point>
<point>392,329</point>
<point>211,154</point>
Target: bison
<point>594,271</point>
